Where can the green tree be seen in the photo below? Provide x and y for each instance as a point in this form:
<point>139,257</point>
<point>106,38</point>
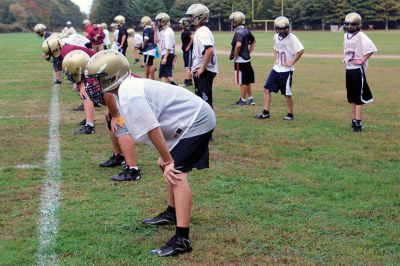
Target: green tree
<point>387,10</point>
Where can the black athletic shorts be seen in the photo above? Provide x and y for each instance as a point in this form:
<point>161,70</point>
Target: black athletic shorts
<point>358,91</point>
<point>187,58</point>
<point>166,70</point>
<point>244,73</point>
<point>148,60</point>
<point>192,153</point>
<point>57,64</point>
<point>280,81</point>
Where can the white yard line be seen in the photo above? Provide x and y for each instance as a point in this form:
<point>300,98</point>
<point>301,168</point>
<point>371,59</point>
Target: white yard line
<point>51,194</point>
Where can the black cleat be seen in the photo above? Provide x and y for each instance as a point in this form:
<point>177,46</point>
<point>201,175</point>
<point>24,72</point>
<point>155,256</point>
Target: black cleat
<point>127,175</point>
<point>79,108</point>
<point>240,102</point>
<point>263,116</point>
<point>85,130</point>
<point>357,128</point>
<point>175,246</point>
<point>83,122</point>
<point>57,82</point>
<point>114,160</point>
<point>289,117</point>
<point>163,218</point>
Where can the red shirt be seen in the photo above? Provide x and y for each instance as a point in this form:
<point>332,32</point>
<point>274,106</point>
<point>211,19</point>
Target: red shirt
<point>96,36</point>
<point>69,48</point>
<point>87,30</point>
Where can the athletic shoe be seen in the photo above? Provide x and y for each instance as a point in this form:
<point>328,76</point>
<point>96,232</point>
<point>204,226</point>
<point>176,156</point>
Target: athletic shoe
<point>79,108</point>
<point>114,160</point>
<point>57,82</point>
<point>357,128</point>
<point>86,129</point>
<point>82,123</point>
<point>240,102</point>
<point>263,116</point>
<point>251,101</point>
<point>288,117</point>
<point>127,175</point>
<point>163,218</point>
<point>175,246</point>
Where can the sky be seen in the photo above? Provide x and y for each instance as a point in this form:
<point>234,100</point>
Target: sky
<point>84,5</point>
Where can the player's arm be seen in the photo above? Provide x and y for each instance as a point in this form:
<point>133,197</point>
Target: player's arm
<point>190,43</point>
<point>208,53</point>
<point>295,59</point>
<point>361,61</point>
<point>109,100</point>
<point>145,41</point>
<point>276,54</point>
<point>123,39</point>
<point>252,46</point>
<point>237,50</point>
<point>157,139</point>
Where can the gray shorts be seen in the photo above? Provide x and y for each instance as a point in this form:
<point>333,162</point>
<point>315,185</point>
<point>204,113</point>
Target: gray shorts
<point>121,131</point>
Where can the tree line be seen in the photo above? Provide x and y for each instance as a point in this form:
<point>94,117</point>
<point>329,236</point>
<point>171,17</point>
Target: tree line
<point>22,15</point>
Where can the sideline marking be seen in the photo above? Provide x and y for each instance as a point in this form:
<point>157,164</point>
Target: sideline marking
<point>51,194</point>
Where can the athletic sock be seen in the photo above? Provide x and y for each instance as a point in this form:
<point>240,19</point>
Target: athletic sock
<point>90,124</point>
<point>182,232</point>
<point>133,167</point>
<point>290,115</point>
<point>250,98</point>
<point>265,112</point>
<point>171,210</point>
<point>173,83</point>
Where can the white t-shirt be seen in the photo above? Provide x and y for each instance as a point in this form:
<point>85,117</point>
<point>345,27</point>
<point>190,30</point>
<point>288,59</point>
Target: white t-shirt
<point>287,50</point>
<point>166,39</point>
<point>147,104</point>
<point>355,47</point>
<point>114,45</point>
<point>137,40</point>
<point>203,37</point>
<point>68,31</point>
<point>76,39</point>
<point>106,40</point>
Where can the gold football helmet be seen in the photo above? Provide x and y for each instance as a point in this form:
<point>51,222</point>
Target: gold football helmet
<point>119,20</point>
<point>184,23</point>
<point>103,25</point>
<point>39,29</point>
<point>51,47</point>
<point>198,14</point>
<point>281,25</point>
<point>237,18</point>
<point>109,68</point>
<point>162,19</point>
<point>145,21</point>
<point>352,23</point>
<point>74,65</point>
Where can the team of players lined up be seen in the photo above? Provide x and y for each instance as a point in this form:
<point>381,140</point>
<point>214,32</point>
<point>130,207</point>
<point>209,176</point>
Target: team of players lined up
<point>178,123</point>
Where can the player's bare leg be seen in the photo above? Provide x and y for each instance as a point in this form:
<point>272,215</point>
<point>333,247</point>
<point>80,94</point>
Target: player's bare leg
<point>128,148</point>
<point>183,201</point>
<point>289,102</point>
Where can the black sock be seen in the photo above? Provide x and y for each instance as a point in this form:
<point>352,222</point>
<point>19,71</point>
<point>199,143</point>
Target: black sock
<point>290,115</point>
<point>173,83</point>
<point>182,232</point>
<point>171,210</point>
<point>265,112</point>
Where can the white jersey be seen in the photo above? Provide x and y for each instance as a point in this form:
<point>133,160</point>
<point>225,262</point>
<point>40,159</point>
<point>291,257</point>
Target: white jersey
<point>203,37</point>
<point>68,31</point>
<point>355,47</point>
<point>287,50</point>
<point>147,104</point>
<point>166,39</point>
<point>76,39</point>
<point>137,40</point>
<point>106,40</point>
<point>114,45</point>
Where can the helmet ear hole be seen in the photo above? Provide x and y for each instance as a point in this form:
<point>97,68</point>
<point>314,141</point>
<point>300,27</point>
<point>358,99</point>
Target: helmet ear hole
<point>113,79</point>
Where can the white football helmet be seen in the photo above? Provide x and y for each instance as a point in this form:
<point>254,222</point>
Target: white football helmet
<point>352,23</point>
<point>74,65</point>
<point>197,14</point>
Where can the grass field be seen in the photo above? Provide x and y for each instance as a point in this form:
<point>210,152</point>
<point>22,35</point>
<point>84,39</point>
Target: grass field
<point>305,192</point>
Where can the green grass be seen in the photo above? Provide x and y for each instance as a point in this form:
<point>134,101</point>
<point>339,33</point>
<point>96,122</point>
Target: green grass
<point>304,192</point>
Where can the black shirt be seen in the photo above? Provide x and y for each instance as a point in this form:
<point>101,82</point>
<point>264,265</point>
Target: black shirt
<point>185,37</point>
<point>123,30</point>
<point>244,36</point>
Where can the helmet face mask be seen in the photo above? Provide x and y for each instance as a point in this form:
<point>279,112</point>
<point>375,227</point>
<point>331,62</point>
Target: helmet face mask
<point>94,90</point>
<point>184,23</point>
<point>51,47</point>
<point>162,19</point>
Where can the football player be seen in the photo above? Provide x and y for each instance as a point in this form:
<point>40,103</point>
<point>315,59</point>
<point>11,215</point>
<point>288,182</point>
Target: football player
<point>358,48</point>
<point>106,41</point>
<point>177,123</point>
<point>137,45</point>
<point>122,34</point>
<point>54,48</point>
<point>88,29</point>
<point>165,38</point>
<point>187,49</point>
<point>287,50</point>
<point>204,57</point>
<point>148,47</point>
<point>41,31</point>
<point>243,44</point>
<point>124,149</point>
